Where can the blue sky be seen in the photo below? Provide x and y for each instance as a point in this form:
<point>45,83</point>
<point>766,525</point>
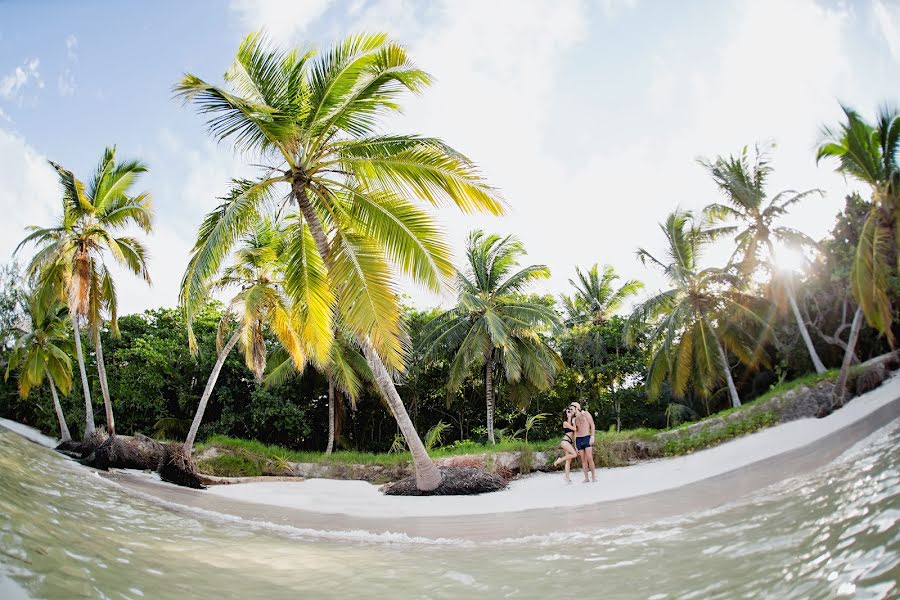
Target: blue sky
<point>587,115</point>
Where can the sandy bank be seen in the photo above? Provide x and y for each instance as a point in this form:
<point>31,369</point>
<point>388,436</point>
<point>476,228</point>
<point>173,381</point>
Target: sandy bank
<point>531,505</point>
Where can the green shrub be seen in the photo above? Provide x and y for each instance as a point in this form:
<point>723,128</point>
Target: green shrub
<point>231,465</point>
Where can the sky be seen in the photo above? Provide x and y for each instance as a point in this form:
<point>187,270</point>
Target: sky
<point>589,117</point>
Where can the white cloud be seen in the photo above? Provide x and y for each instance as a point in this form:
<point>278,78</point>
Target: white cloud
<point>13,83</point>
<point>28,192</point>
<point>71,46</point>
<point>888,18</point>
<point>284,20</point>
<point>66,83</point>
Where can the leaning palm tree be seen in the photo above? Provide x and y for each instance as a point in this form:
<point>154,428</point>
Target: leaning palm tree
<point>744,185</point>
<point>257,273</point>
<point>313,120</point>
<point>492,326</point>
<point>596,298</point>
<point>868,152</point>
<point>692,324</point>
<point>70,261</point>
<point>42,350</point>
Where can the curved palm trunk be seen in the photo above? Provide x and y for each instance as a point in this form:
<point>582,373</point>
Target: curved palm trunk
<point>330,445</point>
<point>428,477</point>
<point>489,398</point>
<point>801,325</point>
<point>798,317</point>
<point>840,388</point>
<point>210,384</point>
<point>104,386</point>
<point>88,406</point>
<point>732,390</point>
<point>63,428</point>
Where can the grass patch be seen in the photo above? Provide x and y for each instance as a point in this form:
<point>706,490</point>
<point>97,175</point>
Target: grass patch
<point>231,465</point>
<point>717,435</point>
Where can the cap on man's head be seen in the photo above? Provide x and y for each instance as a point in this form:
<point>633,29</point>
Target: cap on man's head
<point>576,405</point>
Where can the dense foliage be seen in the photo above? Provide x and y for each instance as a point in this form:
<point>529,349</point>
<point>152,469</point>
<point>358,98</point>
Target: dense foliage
<point>155,383</point>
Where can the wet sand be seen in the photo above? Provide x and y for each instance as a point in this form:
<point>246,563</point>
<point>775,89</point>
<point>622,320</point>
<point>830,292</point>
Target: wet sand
<point>542,504</point>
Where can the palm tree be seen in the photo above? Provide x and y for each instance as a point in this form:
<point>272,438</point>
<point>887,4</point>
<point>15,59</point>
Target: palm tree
<point>693,323</point>
<point>868,152</point>
<point>492,325</point>
<point>596,298</point>
<point>257,272</point>
<point>346,372</point>
<point>70,261</point>
<point>744,186</point>
<point>42,350</point>
<point>313,120</point>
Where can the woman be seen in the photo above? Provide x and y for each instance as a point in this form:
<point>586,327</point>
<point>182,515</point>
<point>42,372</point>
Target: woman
<point>568,442</point>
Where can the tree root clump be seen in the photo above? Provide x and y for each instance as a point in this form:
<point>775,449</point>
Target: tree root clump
<point>178,468</point>
<point>458,481</point>
<point>126,452</point>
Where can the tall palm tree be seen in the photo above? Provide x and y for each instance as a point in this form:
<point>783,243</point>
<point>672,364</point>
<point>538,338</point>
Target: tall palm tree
<point>492,326</point>
<point>868,152</point>
<point>70,261</point>
<point>596,298</point>
<point>346,372</point>
<point>260,302</point>
<point>693,323</point>
<point>42,350</point>
<point>744,185</point>
<point>313,120</point>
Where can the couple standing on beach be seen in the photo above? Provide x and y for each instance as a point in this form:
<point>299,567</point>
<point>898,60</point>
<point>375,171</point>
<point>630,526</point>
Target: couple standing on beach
<point>578,440</point>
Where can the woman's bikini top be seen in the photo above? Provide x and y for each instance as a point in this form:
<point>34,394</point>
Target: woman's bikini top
<point>567,429</point>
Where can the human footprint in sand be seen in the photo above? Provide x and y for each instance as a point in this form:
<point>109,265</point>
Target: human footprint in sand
<point>584,440</point>
<point>568,441</point>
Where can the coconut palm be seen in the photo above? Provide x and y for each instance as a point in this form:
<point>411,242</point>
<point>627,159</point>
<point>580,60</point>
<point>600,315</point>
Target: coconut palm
<point>42,350</point>
<point>346,372</point>
<point>596,299</point>
<point>257,273</point>
<point>743,184</point>
<point>492,326</point>
<point>692,324</point>
<point>313,121</point>
<point>868,152</point>
<point>70,260</point>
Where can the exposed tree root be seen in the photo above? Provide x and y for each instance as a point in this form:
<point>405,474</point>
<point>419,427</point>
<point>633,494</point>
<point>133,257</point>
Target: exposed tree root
<point>457,481</point>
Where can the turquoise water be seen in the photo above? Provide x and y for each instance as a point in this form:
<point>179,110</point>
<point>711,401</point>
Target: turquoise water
<point>66,533</point>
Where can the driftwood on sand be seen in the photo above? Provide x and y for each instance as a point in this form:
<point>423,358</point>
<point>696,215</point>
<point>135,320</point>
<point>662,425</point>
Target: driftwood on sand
<point>104,452</point>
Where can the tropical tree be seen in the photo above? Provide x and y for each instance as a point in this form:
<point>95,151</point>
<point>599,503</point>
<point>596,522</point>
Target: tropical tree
<point>313,120</point>
<point>346,372</point>
<point>868,152</point>
<point>692,324</point>
<point>70,262</point>
<point>743,183</point>
<point>42,350</point>
<point>492,326</point>
<point>596,298</point>
<point>260,302</point>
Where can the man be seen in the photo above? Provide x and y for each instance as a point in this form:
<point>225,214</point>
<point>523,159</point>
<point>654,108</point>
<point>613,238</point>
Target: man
<point>584,440</point>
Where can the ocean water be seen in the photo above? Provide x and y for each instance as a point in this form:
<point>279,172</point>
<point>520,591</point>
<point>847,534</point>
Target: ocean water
<point>67,533</point>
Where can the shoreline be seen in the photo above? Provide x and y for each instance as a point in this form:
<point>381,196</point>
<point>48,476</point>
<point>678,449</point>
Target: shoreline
<point>541,503</point>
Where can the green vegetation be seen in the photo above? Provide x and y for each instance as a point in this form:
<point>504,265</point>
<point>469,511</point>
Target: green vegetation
<point>311,251</point>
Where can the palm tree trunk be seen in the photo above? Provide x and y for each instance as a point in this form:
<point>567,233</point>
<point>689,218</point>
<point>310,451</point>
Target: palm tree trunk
<point>428,477</point>
<point>330,445</point>
<point>732,390</point>
<point>104,386</point>
<point>489,398</point>
<point>801,325</point>
<point>840,388</point>
<point>63,428</point>
<point>210,384</point>
<point>88,406</point>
